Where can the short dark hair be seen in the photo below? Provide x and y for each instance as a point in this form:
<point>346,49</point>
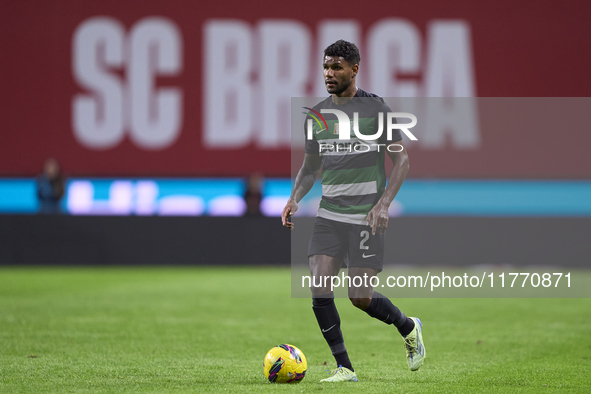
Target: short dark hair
<point>345,49</point>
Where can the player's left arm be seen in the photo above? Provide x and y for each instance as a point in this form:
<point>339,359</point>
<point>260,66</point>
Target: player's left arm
<point>378,216</point>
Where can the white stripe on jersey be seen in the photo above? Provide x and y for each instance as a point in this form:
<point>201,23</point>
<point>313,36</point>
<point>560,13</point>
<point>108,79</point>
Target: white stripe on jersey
<point>350,189</point>
<point>343,217</point>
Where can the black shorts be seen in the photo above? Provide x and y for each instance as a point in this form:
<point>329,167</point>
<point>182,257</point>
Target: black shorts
<point>353,244</point>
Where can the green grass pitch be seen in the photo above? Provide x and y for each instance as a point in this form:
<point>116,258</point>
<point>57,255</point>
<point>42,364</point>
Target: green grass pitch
<point>207,330</point>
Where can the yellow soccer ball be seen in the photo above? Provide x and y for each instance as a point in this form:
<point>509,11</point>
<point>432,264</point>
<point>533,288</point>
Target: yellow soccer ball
<point>285,364</point>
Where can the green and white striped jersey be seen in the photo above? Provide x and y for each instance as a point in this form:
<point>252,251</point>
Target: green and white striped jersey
<point>353,172</point>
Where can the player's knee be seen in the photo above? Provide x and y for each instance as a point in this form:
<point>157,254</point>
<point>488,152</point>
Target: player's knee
<point>361,303</point>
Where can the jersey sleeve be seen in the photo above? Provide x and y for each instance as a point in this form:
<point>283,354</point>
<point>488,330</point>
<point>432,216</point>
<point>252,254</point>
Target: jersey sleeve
<point>311,145</point>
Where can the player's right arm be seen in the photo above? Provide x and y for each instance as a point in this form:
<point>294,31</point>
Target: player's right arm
<point>304,181</point>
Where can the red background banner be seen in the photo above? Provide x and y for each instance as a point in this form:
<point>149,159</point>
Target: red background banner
<point>56,65</point>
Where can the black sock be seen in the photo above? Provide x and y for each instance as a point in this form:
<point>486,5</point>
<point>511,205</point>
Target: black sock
<point>407,327</point>
<point>382,309</point>
<point>330,324</point>
<point>342,359</point>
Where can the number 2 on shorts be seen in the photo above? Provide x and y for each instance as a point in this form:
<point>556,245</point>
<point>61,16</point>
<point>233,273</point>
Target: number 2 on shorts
<point>364,237</point>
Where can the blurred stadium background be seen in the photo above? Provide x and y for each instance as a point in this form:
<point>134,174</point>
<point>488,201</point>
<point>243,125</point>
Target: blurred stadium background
<point>157,111</point>
<point>160,114</point>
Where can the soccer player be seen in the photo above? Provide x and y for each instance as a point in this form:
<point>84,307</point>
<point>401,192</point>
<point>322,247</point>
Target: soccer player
<point>353,213</point>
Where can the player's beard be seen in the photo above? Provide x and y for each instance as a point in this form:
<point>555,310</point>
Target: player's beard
<point>340,88</point>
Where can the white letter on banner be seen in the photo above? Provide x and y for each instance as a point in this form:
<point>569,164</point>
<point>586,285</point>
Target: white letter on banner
<point>228,91</point>
<point>285,64</point>
<point>449,68</point>
<point>394,47</point>
<point>155,117</point>
<point>97,116</point>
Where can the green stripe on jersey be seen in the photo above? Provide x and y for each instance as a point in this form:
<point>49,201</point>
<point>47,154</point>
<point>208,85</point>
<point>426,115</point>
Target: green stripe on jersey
<point>352,175</point>
<point>349,209</point>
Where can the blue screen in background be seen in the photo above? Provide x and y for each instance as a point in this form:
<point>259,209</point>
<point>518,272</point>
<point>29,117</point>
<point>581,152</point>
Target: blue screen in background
<point>223,197</point>
<point>18,196</point>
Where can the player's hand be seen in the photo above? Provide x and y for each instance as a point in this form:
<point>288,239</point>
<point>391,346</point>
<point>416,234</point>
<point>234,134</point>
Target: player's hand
<point>290,209</point>
<point>378,218</point>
